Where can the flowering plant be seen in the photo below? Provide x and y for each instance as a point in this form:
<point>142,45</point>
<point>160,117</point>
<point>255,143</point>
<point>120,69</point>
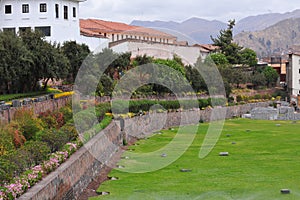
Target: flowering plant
<point>29,178</point>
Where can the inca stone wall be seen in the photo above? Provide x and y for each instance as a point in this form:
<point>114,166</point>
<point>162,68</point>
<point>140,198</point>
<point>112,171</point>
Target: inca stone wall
<point>7,114</point>
<point>72,177</point>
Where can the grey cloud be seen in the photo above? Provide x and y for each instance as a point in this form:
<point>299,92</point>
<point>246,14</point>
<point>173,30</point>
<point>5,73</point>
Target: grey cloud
<point>170,10</point>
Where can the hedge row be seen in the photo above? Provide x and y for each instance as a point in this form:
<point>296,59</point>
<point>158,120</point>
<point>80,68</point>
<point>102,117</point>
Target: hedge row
<point>123,107</point>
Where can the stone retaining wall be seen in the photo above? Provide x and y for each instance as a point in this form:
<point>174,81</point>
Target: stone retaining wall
<point>38,107</point>
<point>72,177</point>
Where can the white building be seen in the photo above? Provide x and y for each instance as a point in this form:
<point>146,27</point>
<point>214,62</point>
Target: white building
<point>293,76</point>
<point>57,19</point>
<point>188,54</point>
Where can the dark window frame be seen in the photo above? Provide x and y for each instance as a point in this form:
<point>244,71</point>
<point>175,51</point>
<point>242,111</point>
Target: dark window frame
<point>13,30</point>
<point>56,11</point>
<point>25,8</point>
<point>43,7</point>
<point>8,9</point>
<point>74,12</point>
<point>46,30</point>
<point>66,12</point>
<point>23,29</point>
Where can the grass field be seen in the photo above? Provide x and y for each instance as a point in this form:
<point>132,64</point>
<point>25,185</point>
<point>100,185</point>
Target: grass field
<point>264,160</point>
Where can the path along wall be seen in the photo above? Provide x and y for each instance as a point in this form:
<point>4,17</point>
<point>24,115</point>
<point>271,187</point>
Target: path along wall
<point>72,177</point>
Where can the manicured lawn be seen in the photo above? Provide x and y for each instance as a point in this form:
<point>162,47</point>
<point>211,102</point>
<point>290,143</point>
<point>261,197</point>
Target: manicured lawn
<point>9,97</point>
<point>263,161</point>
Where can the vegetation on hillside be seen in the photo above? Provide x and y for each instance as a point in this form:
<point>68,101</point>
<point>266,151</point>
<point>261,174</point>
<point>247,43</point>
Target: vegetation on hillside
<point>274,40</point>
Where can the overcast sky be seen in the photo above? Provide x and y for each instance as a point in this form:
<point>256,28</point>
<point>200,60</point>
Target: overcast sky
<point>180,10</point>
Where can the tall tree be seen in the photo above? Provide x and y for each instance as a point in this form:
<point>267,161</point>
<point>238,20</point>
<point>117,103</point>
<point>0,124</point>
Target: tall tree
<point>76,53</point>
<point>225,41</point>
<point>271,76</point>
<point>15,60</point>
<point>234,53</point>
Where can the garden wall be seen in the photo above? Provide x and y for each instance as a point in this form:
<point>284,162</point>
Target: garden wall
<point>38,107</point>
<point>72,177</point>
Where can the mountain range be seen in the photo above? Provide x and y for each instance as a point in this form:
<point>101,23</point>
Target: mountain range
<point>267,34</point>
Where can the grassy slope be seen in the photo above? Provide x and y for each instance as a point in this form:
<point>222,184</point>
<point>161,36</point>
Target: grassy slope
<point>262,162</point>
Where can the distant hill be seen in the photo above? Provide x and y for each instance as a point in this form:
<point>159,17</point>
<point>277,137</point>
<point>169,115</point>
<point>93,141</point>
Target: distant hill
<point>276,39</point>
<point>261,22</point>
<point>199,30</point>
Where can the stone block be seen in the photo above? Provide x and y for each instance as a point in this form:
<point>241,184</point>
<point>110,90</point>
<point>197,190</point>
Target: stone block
<point>224,153</point>
<point>16,103</point>
<point>285,191</point>
<point>185,170</point>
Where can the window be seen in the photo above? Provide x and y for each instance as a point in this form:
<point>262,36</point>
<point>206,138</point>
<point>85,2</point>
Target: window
<point>23,29</point>
<point>56,10</point>
<point>65,12</point>
<point>25,8</point>
<point>46,30</point>
<point>8,9</point>
<point>43,7</point>
<point>74,12</point>
<point>12,30</point>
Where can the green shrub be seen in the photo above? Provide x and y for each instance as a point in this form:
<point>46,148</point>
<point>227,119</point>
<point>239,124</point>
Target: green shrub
<point>70,131</point>
<point>257,96</point>
<point>37,151</point>
<point>239,98</point>
<point>55,139</point>
<point>85,120</point>
<point>28,124</point>
<point>67,113</point>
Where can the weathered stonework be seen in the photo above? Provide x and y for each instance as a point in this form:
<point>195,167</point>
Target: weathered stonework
<point>38,107</point>
<point>72,177</point>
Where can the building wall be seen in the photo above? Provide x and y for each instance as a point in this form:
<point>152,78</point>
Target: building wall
<point>95,44</point>
<point>293,76</point>
<point>188,54</point>
<point>61,29</point>
<point>138,36</point>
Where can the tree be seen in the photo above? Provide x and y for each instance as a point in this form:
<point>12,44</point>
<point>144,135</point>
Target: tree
<point>76,53</point>
<point>119,65</point>
<point>271,76</point>
<point>219,59</point>
<point>15,60</point>
<point>234,53</point>
<point>105,86</point>
<point>142,60</point>
<point>258,79</point>
<point>226,44</point>
<point>195,79</point>
<point>248,57</point>
<point>48,61</point>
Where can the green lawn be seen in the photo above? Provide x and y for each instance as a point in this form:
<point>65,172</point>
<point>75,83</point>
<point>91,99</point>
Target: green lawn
<point>9,97</point>
<point>263,161</point>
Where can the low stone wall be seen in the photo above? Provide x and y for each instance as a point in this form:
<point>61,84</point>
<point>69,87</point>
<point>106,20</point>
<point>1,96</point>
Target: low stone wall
<point>72,177</point>
<point>281,113</point>
<point>38,107</point>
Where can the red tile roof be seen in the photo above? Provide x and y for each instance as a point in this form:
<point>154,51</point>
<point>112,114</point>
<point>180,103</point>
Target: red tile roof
<point>208,47</point>
<point>98,27</point>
